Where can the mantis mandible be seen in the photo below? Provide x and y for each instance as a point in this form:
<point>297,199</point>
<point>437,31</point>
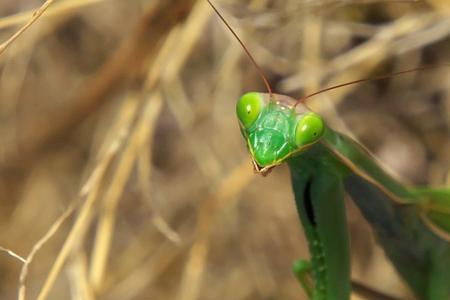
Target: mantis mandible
<point>412,224</point>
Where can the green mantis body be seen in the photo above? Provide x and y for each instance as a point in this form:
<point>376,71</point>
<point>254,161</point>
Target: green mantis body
<point>412,225</point>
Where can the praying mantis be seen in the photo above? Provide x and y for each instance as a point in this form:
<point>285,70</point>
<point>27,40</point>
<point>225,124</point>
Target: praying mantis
<point>412,224</point>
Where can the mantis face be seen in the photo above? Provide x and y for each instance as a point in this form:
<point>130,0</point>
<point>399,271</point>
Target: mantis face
<point>275,131</point>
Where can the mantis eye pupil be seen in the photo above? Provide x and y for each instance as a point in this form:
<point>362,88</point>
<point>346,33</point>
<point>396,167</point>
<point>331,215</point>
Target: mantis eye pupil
<point>248,109</point>
<point>309,128</point>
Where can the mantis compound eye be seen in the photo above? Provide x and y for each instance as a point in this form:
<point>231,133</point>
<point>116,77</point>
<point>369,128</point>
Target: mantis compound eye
<point>309,129</point>
<point>248,108</point>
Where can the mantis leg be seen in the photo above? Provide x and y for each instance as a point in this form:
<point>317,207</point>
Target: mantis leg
<point>435,203</point>
<point>320,204</point>
<point>302,270</point>
<point>438,286</point>
<point>415,247</point>
<point>435,206</point>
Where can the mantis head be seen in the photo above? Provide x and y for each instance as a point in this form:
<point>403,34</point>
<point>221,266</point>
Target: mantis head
<point>277,127</point>
<point>274,129</point>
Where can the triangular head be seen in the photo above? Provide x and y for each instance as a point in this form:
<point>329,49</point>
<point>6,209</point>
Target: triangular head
<point>275,129</point>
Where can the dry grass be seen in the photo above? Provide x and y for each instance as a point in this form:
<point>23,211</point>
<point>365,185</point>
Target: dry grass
<point>34,17</point>
<point>123,173</point>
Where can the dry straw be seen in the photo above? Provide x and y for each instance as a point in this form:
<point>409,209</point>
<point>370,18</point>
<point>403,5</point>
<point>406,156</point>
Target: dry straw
<point>120,115</point>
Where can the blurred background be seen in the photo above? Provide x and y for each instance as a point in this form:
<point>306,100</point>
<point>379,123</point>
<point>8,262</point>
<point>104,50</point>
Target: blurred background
<point>123,174</point>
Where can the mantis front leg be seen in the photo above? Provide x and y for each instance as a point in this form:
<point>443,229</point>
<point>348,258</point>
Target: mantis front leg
<point>302,270</point>
<point>320,204</point>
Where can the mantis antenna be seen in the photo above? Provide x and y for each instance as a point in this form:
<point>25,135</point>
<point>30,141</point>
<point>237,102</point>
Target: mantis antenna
<point>303,99</point>
<point>260,71</point>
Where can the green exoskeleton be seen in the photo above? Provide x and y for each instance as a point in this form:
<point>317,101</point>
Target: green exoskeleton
<point>412,224</point>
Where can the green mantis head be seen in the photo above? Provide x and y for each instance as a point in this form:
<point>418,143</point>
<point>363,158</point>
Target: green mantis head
<point>275,131</point>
